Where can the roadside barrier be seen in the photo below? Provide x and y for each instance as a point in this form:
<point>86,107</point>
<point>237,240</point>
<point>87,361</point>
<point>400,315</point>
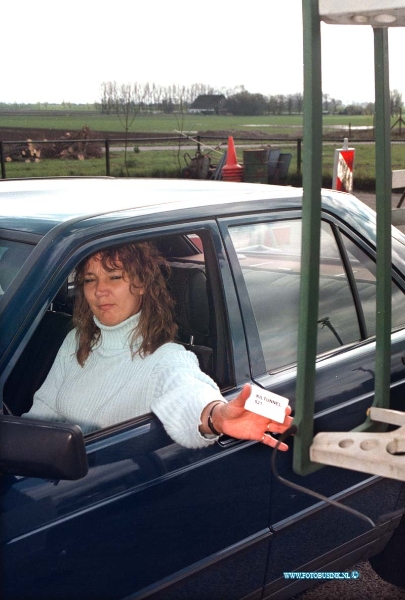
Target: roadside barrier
<point>343,168</point>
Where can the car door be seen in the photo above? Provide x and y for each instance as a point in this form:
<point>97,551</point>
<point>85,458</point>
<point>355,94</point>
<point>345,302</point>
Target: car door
<point>264,251</point>
<point>151,518</point>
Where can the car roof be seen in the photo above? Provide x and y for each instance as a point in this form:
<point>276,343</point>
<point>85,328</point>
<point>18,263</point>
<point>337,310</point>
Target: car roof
<point>38,205</point>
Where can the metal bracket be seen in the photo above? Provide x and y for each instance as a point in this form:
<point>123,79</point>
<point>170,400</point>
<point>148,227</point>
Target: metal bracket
<point>376,453</point>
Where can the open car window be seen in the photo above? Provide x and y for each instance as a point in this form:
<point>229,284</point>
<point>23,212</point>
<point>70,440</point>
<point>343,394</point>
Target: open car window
<point>189,281</point>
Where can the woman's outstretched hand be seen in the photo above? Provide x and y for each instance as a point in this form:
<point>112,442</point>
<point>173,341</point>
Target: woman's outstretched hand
<point>231,418</point>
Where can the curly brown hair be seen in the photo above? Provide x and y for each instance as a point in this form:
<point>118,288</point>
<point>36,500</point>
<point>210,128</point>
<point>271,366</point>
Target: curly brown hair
<point>156,323</point>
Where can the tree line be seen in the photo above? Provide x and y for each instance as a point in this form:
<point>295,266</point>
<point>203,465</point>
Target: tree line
<point>127,100</point>
<point>151,97</point>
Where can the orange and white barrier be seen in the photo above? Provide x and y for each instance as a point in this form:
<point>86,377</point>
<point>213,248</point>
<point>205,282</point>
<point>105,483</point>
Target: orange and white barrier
<point>343,168</point>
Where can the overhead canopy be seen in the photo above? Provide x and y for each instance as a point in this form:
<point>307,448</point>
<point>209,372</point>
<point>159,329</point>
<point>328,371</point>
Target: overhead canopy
<point>377,13</point>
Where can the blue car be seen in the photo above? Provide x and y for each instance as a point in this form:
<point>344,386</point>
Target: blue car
<point>126,512</point>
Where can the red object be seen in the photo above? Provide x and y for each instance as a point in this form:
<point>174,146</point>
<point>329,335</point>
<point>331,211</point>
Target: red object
<point>232,171</point>
<point>343,170</point>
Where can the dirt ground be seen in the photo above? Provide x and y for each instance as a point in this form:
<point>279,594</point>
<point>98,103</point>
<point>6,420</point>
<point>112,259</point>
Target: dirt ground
<point>21,134</point>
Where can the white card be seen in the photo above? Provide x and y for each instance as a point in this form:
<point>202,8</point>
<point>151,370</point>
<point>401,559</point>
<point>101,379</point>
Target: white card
<point>267,404</point>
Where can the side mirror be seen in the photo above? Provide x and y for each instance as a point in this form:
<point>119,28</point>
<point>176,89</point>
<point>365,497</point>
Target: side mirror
<point>34,448</point>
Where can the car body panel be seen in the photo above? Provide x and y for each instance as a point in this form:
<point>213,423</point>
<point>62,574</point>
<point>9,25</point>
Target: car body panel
<point>127,508</point>
<point>153,519</point>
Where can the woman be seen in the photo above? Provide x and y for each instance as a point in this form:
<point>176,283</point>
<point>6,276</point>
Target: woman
<point>121,361</point>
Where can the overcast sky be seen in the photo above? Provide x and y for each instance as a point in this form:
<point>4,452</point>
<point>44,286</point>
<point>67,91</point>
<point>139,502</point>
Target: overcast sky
<point>55,52</point>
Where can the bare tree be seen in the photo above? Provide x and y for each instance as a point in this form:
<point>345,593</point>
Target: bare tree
<point>396,102</point>
<point>180,119</point>
<point>128,101</point>
<point>335,105</point>
<point>109,93</point>
<point>299,102</point>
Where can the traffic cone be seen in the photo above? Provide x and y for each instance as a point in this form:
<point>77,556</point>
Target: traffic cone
<point>232,171</point>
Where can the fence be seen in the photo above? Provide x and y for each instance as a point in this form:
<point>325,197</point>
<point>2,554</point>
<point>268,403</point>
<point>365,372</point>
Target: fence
<point>167,156</point>
<point>71,157</point>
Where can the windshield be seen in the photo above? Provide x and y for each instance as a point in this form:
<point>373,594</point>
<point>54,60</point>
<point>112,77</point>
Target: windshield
<point>12,257</point>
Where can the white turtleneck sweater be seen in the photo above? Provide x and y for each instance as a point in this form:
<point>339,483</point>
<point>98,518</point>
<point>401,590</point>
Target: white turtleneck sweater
<point>112,386</point>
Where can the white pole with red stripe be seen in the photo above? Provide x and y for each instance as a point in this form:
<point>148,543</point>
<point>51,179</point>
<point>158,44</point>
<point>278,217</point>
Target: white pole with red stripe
<point>343,168</point>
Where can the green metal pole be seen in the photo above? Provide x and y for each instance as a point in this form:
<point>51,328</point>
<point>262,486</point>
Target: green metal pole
<point>311,220</point>
<point>383,201</point>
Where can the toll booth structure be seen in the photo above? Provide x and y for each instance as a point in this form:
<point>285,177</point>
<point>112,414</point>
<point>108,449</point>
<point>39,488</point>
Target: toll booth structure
<point>309,452</point>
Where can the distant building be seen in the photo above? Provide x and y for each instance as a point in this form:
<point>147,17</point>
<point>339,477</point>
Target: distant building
<point>208,104</point>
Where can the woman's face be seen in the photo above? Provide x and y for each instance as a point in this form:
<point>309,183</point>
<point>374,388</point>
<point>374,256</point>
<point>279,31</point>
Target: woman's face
<point>112,297</point>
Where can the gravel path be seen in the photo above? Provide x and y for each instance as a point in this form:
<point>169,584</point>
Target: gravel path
<point>369,586</point>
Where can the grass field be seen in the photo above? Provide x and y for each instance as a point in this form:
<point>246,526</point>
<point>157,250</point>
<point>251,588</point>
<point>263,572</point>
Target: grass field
<point>160,123</point>
<point>168,163</point>
<point>142,164</point>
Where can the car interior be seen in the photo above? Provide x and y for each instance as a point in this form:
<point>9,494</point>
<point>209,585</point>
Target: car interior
<point>194,314</point>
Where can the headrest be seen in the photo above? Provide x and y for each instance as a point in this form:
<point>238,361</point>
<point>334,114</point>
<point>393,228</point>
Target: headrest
<point>188,284</point>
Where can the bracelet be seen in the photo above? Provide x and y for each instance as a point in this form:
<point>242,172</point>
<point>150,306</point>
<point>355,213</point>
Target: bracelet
<point>210,423</point>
